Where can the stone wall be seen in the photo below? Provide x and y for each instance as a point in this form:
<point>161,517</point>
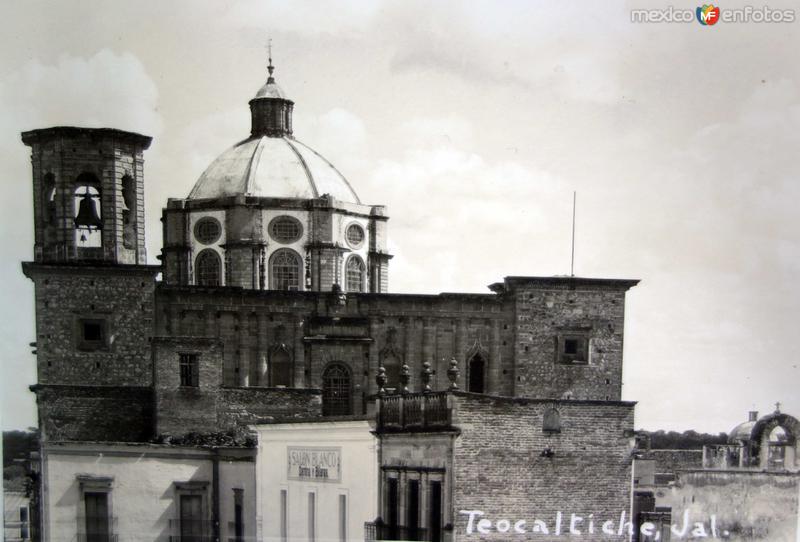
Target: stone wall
<point>63,154</point>
<point>547,311</point>
<point>747,505</point>
<point>362,332</point>
<point>120,298</point>
<point>669,462</point>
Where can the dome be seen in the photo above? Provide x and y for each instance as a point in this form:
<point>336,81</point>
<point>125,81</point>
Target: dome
<point>741,432</point>
<point>272,167</point>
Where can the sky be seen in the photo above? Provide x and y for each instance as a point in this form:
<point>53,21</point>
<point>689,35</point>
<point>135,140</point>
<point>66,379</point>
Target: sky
<point>473,122</point>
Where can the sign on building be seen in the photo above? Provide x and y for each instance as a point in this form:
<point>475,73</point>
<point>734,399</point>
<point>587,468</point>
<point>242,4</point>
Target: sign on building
<point>314,463</point>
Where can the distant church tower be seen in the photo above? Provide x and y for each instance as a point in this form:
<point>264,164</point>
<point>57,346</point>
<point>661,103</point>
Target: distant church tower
<point>270,213</point>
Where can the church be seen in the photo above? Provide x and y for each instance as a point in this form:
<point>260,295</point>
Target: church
<point>262,383</point>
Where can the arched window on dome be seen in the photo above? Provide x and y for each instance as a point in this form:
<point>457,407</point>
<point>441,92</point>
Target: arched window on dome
<point>207,268</point>
<point>285,270</point>
<point>355,272</point>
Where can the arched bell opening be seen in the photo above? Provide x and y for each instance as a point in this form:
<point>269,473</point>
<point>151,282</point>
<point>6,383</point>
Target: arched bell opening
<point>129,212</point>
<point>87,213</point>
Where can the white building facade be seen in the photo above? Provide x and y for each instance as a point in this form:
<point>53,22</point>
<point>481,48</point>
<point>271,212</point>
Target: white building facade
<point>316,481</point>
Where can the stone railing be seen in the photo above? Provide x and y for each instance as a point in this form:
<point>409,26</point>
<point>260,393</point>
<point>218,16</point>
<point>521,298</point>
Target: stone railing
<point>424,410</point>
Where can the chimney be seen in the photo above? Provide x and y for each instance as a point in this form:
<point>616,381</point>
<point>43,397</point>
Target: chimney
<point>753,415</point>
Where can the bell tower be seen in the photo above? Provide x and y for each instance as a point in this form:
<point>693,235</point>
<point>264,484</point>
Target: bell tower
<point>94,291</point>
<point>88,195</point>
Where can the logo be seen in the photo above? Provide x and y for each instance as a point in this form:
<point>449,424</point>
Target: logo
<point>707,15</point>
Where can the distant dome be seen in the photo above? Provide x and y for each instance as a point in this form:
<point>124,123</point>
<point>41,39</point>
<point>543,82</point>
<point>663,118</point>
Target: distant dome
<point>272,167</point>
<point>271,90</point>
<point>741,432</point>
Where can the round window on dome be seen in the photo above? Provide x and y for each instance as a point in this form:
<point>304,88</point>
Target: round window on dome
<point>355,235</point>
<point>207,230</point>
<point>285,229</point>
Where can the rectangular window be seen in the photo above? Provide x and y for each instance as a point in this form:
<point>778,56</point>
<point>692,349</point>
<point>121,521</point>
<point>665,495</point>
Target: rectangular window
<point>92,333</point>
<point>284,516</point>
<point>238,515</point>
<point>393,508</point>
<point>312,516</point>
<point>191,518</point>
<point>190,370</point>
<point>96,521</point>
<point>435,512</point>
<point>412,514</point>
<point>392,501</point>
<point>23,520</point>
<point>342,518</point>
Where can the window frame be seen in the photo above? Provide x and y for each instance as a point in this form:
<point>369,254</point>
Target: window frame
<point>91,345</point>
<point>582,342</point>
<point>355,259</point>
<point>299,268</point>
<point>207,240</point>
<point>193,488</point>
<point>193,363</point>
<point>285,240</point>
<point>363,230</point>
<point>207,252</point>
<point>89,484</point>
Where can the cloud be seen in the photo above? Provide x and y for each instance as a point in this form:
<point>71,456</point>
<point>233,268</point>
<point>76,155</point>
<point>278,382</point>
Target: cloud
<point>483,208</point>
<point>105,90</point>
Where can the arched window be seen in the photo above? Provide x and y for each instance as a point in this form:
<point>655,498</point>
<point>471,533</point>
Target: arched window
<point>285,269</point>
<point>552,421</point>
<point>355,271</point>
<point>280,369</point>
<point>336,391</point>
<point>476,376</point>
<point>128,212</point>
<point>207,268</point>
<point>49,199</point>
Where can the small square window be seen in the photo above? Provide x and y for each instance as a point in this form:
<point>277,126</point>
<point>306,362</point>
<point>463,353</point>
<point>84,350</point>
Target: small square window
<point>189,370</point>
<point>92,334</point>
<point>572,349</point>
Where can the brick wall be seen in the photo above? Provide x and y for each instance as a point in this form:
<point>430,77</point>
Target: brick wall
<point>500,470</point>
<point>95,413</point>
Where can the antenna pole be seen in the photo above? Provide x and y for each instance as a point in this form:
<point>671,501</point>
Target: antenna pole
<point>572,261</point>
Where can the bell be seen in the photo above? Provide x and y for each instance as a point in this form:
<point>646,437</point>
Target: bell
<point>87,215</point>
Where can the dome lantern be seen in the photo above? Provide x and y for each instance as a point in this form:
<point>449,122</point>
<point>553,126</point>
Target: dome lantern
<point>270,109</point>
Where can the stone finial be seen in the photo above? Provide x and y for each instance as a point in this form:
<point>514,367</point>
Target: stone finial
<point>452,374</point>
<point>405,378</point>
<point>426,375</point>
<point>380,380</point>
